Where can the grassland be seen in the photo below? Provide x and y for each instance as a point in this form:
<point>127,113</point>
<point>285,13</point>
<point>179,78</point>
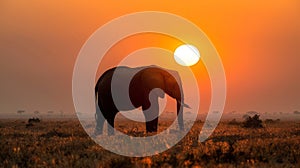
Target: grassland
<point>65,144</point>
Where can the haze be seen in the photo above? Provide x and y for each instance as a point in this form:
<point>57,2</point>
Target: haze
<point>259,44</point>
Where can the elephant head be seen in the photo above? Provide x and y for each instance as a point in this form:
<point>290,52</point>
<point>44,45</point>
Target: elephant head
<point>167,81</point>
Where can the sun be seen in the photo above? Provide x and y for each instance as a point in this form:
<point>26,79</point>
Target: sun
<point>186,55</point>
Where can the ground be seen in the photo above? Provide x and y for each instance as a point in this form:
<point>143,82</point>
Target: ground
<point>65,144</point>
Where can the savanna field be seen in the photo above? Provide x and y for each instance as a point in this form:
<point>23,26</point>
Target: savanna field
<point>64,143</point>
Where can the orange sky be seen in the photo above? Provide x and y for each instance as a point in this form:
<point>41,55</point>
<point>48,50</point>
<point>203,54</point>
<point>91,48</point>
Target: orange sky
<point>258,42</point>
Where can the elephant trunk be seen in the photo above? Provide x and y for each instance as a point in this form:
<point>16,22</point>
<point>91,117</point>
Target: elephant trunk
<point>180,115</point>
<point>180,105</point>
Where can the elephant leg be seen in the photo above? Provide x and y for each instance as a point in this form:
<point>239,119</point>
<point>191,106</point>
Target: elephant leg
<point>180,116</point>
<point>111,125</point>
<point>99,121</point>
<point>151,126</point>
<point>99,125</point>
<point>151,115</point>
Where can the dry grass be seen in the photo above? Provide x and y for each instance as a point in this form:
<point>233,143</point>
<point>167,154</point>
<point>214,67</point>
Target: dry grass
<point>65,144</point>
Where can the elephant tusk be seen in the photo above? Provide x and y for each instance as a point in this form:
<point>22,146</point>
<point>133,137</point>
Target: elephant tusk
<point>185,105</point>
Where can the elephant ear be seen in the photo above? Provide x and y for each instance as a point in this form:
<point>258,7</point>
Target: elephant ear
<point>152,79</point>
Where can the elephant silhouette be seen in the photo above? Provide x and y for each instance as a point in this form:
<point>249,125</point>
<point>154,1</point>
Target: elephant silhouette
<point>123,88</point>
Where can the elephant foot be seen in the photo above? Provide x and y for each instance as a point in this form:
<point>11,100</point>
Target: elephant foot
<point>151,126</point>
<point>97,132</point>
<point>111,133</point>
<point>110,130</point>
<point>151,130</point>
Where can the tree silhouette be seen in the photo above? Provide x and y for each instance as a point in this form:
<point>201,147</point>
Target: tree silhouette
<point>36,112</point>
<point>61,113</point>
<point>49,113</point>
<point>296,112</point>
<point>21,111</point>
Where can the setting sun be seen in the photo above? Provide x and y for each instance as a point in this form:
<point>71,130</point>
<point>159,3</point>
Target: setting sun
<point>186,55</point>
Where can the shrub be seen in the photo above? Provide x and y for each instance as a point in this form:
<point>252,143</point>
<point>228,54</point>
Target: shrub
<point>233,122</point>
<point>252,122</point>
<point>270,121</point>
<point>34,120</point>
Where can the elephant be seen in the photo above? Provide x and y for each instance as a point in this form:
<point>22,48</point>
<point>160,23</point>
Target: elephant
<point>144,86</point>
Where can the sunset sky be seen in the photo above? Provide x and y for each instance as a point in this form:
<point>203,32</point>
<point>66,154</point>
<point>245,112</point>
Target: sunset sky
<point>258,42</point>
